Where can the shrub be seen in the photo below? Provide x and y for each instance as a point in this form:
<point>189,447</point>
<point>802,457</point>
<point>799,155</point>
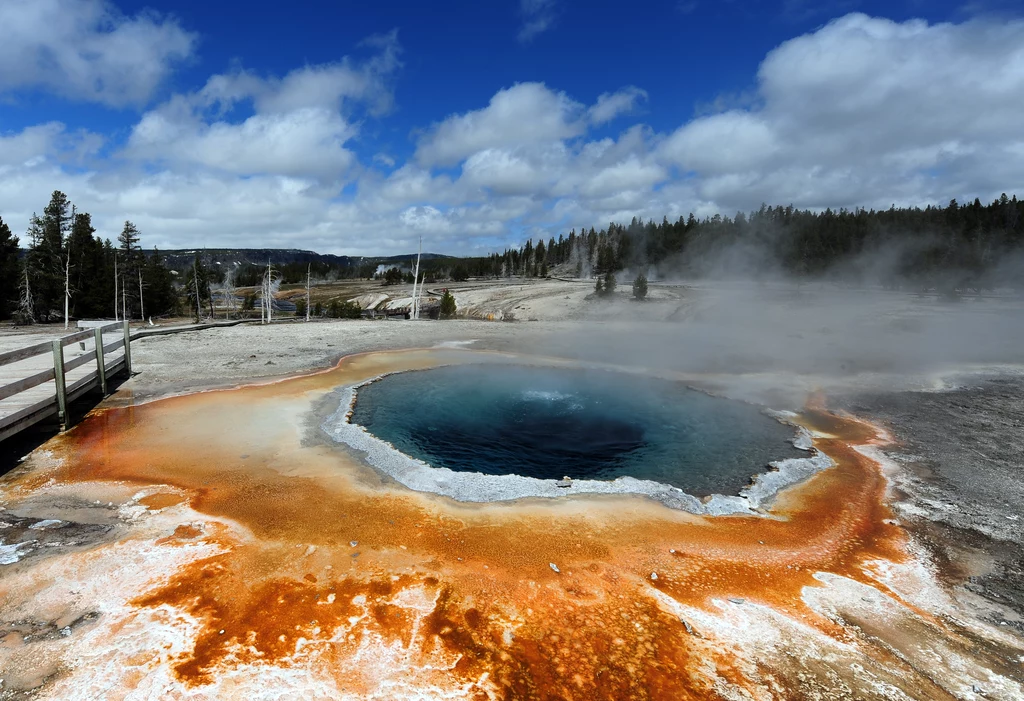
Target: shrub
<point>344,310</point>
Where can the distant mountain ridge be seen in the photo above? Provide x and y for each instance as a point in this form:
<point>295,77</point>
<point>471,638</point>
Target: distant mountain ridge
<point>181,258</point>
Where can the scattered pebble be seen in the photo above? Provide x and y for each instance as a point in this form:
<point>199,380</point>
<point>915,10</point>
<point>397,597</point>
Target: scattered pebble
<point>737,600</point>
<point>311,549</point>
<point>654,575</point>
<point>221,632</point>
<point>554,567</point>
<point>353,543</point>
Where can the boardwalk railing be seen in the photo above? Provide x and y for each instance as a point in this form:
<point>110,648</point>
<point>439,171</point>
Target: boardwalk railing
<point>65,393</point>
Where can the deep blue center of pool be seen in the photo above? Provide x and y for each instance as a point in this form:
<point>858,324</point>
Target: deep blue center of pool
<point>549,423</point>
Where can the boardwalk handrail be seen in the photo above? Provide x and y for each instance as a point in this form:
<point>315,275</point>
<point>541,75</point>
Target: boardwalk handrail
<point>44,347</point>
<point>11,424</point>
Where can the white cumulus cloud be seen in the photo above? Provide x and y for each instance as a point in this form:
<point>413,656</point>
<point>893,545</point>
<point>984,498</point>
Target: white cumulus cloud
<point>88,50</point>
<point>526,113</point>
<point>611,105</point>
<point>862,111</point>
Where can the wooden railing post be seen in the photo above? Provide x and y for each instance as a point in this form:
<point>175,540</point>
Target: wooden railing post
<point>101,365</point>
<point>58,380</point>
<point>127,349</point>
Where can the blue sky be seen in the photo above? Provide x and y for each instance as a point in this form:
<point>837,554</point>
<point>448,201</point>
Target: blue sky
<point>357,127</point>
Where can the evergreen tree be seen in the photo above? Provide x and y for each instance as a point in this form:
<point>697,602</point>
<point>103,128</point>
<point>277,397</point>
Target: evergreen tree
<point>640,287</point>
<point>10,272</point>
<point>86,267</point>
<point>159,291</point>
<point>447,306</point>
<point>129,263</point>
<point>46,262</point>
<point>609,283</point>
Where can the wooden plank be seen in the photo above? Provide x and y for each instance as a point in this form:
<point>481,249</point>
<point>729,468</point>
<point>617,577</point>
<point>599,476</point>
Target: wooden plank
<point>101,366</point>
<point>22,353</point>
<point>59,381</point>
<point>80,361</point>
<point>26,383</point>
<point>115,366</point>
<point>28,421</point>
<point>113,346</point>
<point>127,347</point>
<point>48,406</point>
<point>79,336</point>
<point>82,386</point>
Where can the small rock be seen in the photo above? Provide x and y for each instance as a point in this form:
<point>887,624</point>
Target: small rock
<point>736,600</point>
<point>221,632</point>
<point>353,543</point>
<point>554,567</point>
<point>689,628</point>
<point>311,549</point>
<point>672,550</point>
<point>564,483</point>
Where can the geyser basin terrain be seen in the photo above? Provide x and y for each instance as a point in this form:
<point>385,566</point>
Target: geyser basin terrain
<point>250,559</point>
<point>546,423</point>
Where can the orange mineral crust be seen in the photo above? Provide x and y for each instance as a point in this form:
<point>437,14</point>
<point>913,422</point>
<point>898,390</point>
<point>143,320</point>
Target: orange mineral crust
<point>296,567</point>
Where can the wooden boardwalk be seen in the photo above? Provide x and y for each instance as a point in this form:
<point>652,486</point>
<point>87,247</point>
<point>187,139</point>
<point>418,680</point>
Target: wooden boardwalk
<point>41,380</point>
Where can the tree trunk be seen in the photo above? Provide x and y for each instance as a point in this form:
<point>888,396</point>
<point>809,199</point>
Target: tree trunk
<point>142,308</point>
<point>414,308</point>
<point>195,284</point>
<point>67,286</point>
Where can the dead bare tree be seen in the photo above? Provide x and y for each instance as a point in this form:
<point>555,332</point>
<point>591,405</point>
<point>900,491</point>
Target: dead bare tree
<point>309,269</point>
<point>142,310</point>
<point>66,245</point>
<point>228,294</point>
<point>414,308</point>
<point>25,306</point>
<point>270,285</point>
<point>195,282</point>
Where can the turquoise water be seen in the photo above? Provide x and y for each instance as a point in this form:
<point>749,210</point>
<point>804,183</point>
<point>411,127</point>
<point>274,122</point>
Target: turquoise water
<point>548,423</point>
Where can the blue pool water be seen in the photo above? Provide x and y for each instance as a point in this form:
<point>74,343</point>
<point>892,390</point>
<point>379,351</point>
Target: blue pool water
<point>548,423</point>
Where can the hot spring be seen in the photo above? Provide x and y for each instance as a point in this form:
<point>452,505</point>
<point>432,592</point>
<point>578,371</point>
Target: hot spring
<point>547,423</point>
